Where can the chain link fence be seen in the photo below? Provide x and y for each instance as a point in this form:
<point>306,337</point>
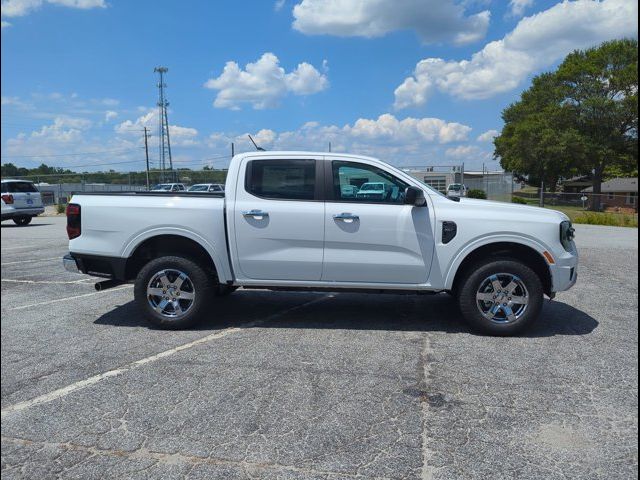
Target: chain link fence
<point>59,188</point>
<point>607,202</point>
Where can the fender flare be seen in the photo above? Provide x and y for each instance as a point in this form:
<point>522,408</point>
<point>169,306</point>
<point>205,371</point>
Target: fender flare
<point>477,243</point>
<point>224,275</point>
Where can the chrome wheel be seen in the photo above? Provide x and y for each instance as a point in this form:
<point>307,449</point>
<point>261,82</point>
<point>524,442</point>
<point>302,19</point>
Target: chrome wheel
<point>171,293</point>
<point>502,298</point>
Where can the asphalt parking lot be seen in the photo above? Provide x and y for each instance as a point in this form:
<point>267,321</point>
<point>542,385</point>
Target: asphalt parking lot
<point>304,385</point>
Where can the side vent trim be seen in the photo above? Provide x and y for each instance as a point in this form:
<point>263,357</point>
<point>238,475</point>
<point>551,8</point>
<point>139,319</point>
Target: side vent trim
<point>449,231</point>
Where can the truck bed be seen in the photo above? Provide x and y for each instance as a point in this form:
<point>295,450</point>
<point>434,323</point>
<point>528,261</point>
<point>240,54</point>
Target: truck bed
<point>114,224</point>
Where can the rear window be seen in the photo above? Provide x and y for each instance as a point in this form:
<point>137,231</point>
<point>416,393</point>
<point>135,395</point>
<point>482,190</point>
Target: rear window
<point>18,187</point>
<point>282,179</point>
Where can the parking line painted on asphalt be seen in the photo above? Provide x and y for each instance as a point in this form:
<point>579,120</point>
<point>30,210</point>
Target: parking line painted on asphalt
<point>22,307</point>
<point>63,392</point>
<point>32,261</point>
<point>47,282</point>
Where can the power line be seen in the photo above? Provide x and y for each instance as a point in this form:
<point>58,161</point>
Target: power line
<point>71,154</point>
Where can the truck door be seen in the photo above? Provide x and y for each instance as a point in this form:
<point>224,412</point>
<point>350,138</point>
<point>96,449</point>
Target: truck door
<point>371,236</point>
<point>279,219</point>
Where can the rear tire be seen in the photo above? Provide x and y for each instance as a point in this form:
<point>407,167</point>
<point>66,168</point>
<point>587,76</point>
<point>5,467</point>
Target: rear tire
<point>22,220</point>
<point>500,297</point>
<point>174,292</point>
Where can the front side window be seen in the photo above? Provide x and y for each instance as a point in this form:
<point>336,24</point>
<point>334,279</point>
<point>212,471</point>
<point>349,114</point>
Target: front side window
<point>198,188</point>
<point>282,179</point>
<point>357,182</point>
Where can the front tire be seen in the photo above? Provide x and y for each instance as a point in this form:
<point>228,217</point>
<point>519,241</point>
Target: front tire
<point>173,292</point>
<point>500,297</point>
<point>22,220</point>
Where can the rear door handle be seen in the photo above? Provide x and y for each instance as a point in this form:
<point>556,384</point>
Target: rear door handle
<point>346,217</point>
<point>257,214</point>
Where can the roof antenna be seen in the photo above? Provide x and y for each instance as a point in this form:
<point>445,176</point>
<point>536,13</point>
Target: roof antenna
<point>260,149</point>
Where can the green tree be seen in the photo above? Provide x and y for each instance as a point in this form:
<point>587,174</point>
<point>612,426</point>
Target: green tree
<point>538,139</point>
<point>581,119</point>
<point>601,86</point>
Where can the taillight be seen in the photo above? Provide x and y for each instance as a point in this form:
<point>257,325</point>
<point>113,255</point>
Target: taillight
<point>73,221</point>
<point>8,199</point>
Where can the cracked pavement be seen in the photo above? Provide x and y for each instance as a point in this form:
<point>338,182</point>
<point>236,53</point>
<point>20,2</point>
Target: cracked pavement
<point>315,386</point>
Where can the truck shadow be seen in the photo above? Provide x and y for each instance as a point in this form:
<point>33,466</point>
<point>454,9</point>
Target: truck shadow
<point>437,313</point>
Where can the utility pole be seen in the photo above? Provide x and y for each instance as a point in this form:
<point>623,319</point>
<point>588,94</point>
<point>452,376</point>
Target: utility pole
<point>233,150</point>
<point>146,151</point>
<point>163,125</point>
<point>329,147</point>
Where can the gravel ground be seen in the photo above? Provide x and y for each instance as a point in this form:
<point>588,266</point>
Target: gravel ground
<point>304,385</point>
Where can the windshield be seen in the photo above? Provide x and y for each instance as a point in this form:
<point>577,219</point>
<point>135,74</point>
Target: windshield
<point>162,186</point>
<point>199,188</point>
<point>372,186</point>
<point>455,187</point>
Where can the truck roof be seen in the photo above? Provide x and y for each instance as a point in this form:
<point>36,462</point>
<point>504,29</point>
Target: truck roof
<point>301,153</point>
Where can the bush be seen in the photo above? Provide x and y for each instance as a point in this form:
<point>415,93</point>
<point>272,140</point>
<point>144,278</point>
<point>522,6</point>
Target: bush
<point>607,219</point>
<point>518,200</point>
<point>477,193</point>
<point>60,208</point>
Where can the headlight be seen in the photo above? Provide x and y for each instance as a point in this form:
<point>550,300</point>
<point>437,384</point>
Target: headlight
<point>567,234</point>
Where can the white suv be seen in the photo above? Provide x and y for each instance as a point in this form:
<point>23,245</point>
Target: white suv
<point>21,201</point>
<point>169,187</point>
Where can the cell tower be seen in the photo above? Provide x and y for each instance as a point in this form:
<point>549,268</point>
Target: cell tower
<point>163,124</point>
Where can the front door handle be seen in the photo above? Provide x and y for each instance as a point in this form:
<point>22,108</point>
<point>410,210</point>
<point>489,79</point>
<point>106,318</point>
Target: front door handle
<point>257,214</point>
<point>346,217</point>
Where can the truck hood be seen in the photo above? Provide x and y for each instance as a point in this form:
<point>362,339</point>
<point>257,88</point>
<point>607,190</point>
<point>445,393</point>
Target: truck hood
<point>522,211</point>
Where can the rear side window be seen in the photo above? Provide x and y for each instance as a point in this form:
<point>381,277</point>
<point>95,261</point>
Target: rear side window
<point>282,179</point>
<point>18,187</point>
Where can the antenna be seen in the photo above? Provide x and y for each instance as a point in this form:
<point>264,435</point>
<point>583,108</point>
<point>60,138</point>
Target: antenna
<point>164,147</point>
<point>260,149</point>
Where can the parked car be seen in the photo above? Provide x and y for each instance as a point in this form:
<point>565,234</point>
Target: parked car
<point>283,224</point>
<point>373,190</point>
<point>457,190</point>
<point>21,201</point>
<point>348,191</point>
<point>206,188</point>
<point>169,187</point>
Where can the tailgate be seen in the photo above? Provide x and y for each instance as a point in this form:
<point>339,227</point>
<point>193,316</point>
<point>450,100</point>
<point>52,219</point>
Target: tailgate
<point>25,194</point>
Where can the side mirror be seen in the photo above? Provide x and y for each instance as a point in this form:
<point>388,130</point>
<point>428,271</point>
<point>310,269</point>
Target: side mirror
<point>414,196</point>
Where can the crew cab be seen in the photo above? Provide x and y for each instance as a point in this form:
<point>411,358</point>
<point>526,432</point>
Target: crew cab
<point>287,221</point>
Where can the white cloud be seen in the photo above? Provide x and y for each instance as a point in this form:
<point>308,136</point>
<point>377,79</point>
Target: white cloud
<point>110,115</point>
<point>10,101</point>
<point>278,5</point>
<point>178,135</point>
<point>264,83</point>
<point>20,8</point>
<point>488,136</point>
<point>432,20</point>
<point>537,42</point>
<point>463,152</point>
<point>403,142</point>
<point>388,128</point>
<point>518,7</point>
<point>5,24</point>
<point>65,133</point>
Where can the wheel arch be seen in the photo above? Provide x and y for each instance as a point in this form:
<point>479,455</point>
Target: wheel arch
<point>523,252</point>
<point>173,243</point>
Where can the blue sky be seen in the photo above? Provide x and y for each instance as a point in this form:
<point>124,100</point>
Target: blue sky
<point>414,82</point>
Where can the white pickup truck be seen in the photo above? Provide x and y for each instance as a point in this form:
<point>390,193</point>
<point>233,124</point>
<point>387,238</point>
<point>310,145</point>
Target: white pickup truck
<point>289,221</point>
